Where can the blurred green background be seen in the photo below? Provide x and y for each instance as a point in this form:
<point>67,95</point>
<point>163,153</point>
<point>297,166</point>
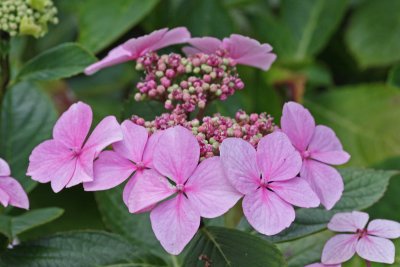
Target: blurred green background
<point>340,58</point>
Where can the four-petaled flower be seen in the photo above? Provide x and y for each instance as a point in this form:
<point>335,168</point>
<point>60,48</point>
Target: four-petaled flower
<point>318,146</point>
<point>137,47</point>
<point>267,179</point>
<point>371,243</point>
<point>11,191</point>
<point>67,160</point>
<point>197,190</point>
<point>242,49</point>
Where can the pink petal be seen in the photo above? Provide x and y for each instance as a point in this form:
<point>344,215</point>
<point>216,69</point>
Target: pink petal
<point>110,170</point>
<point>376,249</point>
<point>277,158</point>
<point>4,198</point>
<point>63,175</point>
<point>208,45</point>
<point>17,196</point>
<point>116,56</point>
<point>108,131</point>
<point>177,154</point>
<point>339,248</point>
<point>297,192</point>
<point>73,126</point>
<point>384,228</point>
<point>348,221</point>
<point>322,265</point>
<point>133,143</point>
<point>298,124</point>
<point>209,190</point>
<point>326,147</point>
<point>83,168</point>
<point>247,51</point>
<point>47,159</point>
<point>4,168</point>
<point>324,180</point>
<point>149,149</point>
<point>267,212</point>
<point>150,188</point>
<point>239,160</point>
<point>128,188</point>
<point>174,223</point>
<point>174,36</point>
<point>189,51</point>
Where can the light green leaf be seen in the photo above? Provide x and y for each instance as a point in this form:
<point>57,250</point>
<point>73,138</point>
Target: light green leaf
<point>27,118</point>
<point>224,247</point>
<point>366,119</point>
<point>62,61</point>
<point>373,35</point>
<point>80,248</point>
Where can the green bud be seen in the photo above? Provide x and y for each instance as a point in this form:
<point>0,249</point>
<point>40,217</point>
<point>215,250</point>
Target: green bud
<point>28,27</point>
<point>39,5</point>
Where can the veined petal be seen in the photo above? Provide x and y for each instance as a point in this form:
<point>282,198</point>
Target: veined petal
<point>324,180</point>
<point>149,149</point>
<point>177,154</point>
<point>4,198</point>
<point>376,249</point>
<point>149,189</point>
<point>339,248</point>
<point>326,147</point>
<point>348,221</point>
<point>174,223</point>
<point>17,196</point>
<point>174,36</point>
<point>116,56</point>
<point>110,170</point>
<point>297,192</point>
<point>83,168</point>
<point>298,124</point>
<point>209,190</point>
<point>277,158</point>
<point>384,228</point>
<point>267,212</point>
<point>207,45</point>
<point>139,46</point>
<point>322,265</point>
<point>4,168</point>
<point>73,126</point>
<point>133,143</point>
<point>63,175</point>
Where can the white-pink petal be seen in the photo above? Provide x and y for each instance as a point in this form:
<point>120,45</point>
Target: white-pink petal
<point>298,124</point>
<point>339,249</point>
<point>174,223</point>
<point>16,194</point>
<point>323,265</point>
<point>239,160</point>
<point>177,154</point>
<point>384,228</point>
<point>208,45</point>
<point>4,198</point>
<point>4,168</point>
<point>348,221</point>
<point>149,149</point>
<point>376,249</point>
<point>267,212</point>
<point>174,36</point>
<point>277,158</point>
<point>209,190</point>
<point>116,56</point>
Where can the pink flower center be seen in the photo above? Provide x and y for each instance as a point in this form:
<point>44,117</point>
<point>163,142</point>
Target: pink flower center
<point>361,233</point>
<point>140,166</point>
<point>305,154</point>
<point>180,188</point>
<point>76,151</point>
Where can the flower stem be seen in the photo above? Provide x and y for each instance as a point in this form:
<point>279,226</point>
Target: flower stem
<point>368,263</point>
<point>175,262</point>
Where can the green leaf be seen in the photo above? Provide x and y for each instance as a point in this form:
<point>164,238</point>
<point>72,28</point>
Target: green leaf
<point>100,24</point>
<point>363,187</point>
<point>59,62</point>
<point>5,226</point>
<point>373,35</point>
<point>79,248</point>
<point>27,118</point>
<point>394,76</point>
<point>34,218</point>
<point>224,247</point>
<point>366,119</point>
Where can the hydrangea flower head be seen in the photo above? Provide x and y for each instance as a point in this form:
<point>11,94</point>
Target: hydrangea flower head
<point>243,50</point>
<point>11,191</point>
<point>193,190</point>
<point>136,47</point>
<point>67,159</point>
<point>267,179</point>
<point>319,147</point>
<point>371,243</point>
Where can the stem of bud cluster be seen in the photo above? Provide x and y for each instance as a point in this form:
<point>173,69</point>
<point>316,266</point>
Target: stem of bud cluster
<point>368,263</point>
<point>4,63</point>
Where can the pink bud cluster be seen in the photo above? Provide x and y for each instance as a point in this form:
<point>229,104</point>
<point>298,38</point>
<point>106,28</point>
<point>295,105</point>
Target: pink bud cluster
<point>187,82</point>
<point>212,130</point>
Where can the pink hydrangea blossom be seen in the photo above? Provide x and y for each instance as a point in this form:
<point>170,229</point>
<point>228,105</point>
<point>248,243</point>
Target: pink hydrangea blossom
<point>371,243</point>
<point>193,190</point>
<point>319,148</point>
<point>133,154</point>
<point>267,179</point>
<point>323,265</point>
<point>67,160</point>
<point>11,191</point>
<point>243,50</point>
<point>136,47</point>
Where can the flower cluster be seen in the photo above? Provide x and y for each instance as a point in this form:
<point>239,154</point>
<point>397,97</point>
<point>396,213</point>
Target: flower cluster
<point>211,131</point>
<point>27,17</point>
